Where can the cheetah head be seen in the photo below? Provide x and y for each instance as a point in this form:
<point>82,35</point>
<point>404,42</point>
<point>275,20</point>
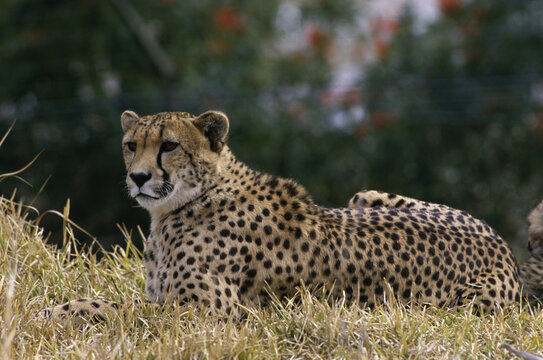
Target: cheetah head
<point>171,158</point>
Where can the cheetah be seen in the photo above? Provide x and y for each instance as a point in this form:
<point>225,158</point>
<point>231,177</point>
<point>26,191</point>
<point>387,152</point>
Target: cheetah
<point>224,236</point>
<point>531,271</point>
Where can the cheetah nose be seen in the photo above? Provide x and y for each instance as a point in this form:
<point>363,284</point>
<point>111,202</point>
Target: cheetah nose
<point>140,178</point>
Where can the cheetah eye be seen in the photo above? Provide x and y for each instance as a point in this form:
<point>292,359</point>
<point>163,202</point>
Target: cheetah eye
<point>168,146</point>
<point>131,146</point>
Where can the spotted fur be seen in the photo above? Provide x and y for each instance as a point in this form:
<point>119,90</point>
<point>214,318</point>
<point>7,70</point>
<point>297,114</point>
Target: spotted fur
<point>223,234</point>
<point>531,271</point>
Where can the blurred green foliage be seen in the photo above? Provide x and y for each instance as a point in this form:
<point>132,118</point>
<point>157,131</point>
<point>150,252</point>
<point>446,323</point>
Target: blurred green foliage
<point>465,101</point>
<point>450,112</point>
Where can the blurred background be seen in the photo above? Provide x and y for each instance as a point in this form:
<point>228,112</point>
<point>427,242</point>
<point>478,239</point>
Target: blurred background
<point>440,100</point>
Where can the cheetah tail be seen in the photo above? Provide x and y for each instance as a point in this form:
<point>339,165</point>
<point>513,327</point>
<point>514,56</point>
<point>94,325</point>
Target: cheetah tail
<point>531,271</point>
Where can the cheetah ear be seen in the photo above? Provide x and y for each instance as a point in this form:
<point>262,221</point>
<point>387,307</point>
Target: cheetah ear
<point>128,118</point>
<point>214,125</point>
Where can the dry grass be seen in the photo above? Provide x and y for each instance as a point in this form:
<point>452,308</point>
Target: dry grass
<point>35,276</point>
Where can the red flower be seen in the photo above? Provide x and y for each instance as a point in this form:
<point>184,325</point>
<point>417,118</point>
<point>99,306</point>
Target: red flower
<point>449,6</point>
<point>317,38</point>
<point>381,48</point>
<point>228,19</point>
<point>386,25</point>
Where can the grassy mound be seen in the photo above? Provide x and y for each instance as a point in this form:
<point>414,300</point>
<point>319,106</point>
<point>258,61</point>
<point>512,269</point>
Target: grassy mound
<point>35,276</point>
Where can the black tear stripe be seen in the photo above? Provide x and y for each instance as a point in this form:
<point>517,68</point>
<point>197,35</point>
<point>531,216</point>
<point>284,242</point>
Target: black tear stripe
<point>165,176</point>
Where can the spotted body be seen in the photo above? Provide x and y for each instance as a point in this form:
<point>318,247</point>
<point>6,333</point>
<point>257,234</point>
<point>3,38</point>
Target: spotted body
<point>223,234</point>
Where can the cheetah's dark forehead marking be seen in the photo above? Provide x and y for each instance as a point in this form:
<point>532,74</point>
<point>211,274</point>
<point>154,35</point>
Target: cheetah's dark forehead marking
<point>184,115</point>
<point>160,119</point>
<point>157,122</point>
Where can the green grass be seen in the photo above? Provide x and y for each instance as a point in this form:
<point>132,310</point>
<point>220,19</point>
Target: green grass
<point>35,276</point>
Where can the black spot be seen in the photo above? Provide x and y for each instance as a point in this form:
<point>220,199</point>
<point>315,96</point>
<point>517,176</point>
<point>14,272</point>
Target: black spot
<point>377,203</point>
<point>204,286</point>
<point>225,232</point>
<point>251,273</point>
<point>291,189</point>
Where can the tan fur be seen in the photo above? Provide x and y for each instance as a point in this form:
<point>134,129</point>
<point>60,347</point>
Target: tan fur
<point>531,271</point>
<point>223,234</point>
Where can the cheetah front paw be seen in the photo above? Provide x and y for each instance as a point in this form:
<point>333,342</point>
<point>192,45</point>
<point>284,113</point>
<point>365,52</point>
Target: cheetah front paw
<point>81,311</point>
